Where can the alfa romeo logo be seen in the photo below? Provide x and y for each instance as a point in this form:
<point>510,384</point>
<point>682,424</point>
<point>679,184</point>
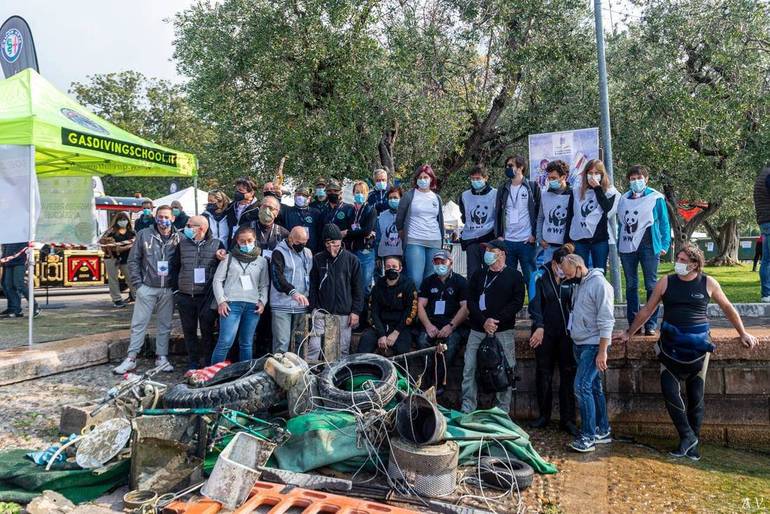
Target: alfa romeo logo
<point>12,43</point>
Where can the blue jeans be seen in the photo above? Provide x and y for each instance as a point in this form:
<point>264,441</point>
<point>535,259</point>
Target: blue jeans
<point>13,285</point>
<point>242,315</point>
<point>419,262</point>
<point>764,266</point>
<point>522,253</point>
<point>589,392</point>
<point>366,258</point>
<point>646,256</point>
<point>595,253</point>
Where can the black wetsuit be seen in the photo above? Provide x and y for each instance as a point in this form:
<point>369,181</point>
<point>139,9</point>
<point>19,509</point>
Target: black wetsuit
<point>683,351</point>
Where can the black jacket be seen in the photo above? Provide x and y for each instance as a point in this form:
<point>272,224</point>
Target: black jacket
<point>307,217</point>
<point>504,297</point>
<point>233,221</point>
<point>545,310</point>
<point>190,255</point>
<point>378,200</point>
<point>181,221</point>
<point>336,284</point>
<point>361,237</point>
<point>144,222</point>
<point>392,307</point>
<point>533,204</point>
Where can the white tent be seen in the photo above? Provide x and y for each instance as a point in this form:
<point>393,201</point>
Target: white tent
<point>452,218</point>
<point>187,198</point>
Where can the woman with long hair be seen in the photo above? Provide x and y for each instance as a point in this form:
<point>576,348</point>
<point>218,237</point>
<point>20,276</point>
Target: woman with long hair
<point>420,222</point>
<point>116,242</point>
<point>593,203</point>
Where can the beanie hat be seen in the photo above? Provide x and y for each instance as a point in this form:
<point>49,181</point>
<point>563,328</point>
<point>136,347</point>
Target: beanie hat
<point>331,232</point>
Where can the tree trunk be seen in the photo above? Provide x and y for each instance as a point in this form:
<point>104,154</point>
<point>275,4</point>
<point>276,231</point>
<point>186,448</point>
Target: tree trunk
<point>683,229</point>
<point>386,148</point>
<point>727,241</point>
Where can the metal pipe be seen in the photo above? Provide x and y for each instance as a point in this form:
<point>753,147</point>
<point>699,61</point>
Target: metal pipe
<point>604,106</point>
<point>31,249</point>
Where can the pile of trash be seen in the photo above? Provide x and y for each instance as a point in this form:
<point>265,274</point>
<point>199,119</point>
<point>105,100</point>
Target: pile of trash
<point>276,432</point>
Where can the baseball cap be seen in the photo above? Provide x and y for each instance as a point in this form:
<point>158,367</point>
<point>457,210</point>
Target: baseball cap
<point>496,244</point>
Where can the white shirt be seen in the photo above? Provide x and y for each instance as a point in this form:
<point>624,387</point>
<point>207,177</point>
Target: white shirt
<point>423,217</point>
<point>518,226</point>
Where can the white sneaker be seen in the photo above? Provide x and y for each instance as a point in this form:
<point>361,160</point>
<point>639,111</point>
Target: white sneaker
<point>163,361</point>
<point>127,365</point>
<point>765,299</point>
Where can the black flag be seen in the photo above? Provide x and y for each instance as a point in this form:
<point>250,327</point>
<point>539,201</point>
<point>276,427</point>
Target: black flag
<point>17,49</point>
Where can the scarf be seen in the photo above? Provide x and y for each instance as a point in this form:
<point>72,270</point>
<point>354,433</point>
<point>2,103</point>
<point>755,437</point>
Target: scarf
<point>246,257</point>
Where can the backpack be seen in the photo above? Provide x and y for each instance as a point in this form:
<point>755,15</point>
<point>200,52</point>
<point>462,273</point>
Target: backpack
<point>493,373</point>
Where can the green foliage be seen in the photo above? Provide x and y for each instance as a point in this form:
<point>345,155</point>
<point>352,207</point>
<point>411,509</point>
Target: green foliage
<point>690,97</point>
<point>153,109</point>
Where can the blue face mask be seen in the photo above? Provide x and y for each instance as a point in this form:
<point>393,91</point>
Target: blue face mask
<point>147,212</point>
<point>393,203</point>
<point>441,269</point>
<point>489,258</point>
<point>381,185</point>
<point>163,222</point>
<point>320,192</point>
<point>554,184</point>
<point>189,232</point>
<point>638,185</point>
<point>175,211</point>
<point>300,201</point>
<point>423,183</point>
<point>478,184</point>
<point>246,248</point>
<point>359,198</point>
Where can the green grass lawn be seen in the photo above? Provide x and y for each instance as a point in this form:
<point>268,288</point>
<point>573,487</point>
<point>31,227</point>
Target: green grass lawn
<point>739,283</point>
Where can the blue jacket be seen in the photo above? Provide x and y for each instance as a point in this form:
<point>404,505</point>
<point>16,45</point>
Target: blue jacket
<point>661,226</point>
<point>307,217</point>
<point>378,200</point>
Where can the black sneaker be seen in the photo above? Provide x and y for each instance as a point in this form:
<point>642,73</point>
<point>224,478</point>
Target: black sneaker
<point>570,427</point>
<point>119,304</point>
<point>694,452</point>
<point>36,312</point>
<point>649,331</point>
<point>684,447</point>
<point>6,314</point>
<point>16,315</point>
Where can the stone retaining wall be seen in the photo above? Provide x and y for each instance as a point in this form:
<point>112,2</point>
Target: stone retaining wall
<point>737,390</point>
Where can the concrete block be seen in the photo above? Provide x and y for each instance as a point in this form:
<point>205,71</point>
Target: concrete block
<point>75,417</point>
<point>649,380</point>
<point>747,380</point>
<point>620,380</point>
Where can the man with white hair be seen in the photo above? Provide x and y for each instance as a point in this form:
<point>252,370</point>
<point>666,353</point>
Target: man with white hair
<point>378,196</point>
<point>290,286</point>
<point>192,273</point>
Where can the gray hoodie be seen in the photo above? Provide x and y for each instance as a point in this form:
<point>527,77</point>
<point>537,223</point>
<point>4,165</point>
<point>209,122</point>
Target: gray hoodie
<point>593,309</point>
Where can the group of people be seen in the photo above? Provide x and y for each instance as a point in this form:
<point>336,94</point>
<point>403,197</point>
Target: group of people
<point>379,265</point>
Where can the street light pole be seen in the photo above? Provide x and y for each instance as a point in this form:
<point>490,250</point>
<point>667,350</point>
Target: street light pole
<point>604,106</point>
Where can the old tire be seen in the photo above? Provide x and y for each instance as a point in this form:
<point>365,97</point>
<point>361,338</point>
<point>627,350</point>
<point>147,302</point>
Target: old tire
<point>378,392</point>
<point>242,386</point>
<point>506,474</point>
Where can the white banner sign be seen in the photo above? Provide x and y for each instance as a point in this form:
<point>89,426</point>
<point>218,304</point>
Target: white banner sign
<point>16,165</point>
<point>69,211</point>
<point>575,147</point>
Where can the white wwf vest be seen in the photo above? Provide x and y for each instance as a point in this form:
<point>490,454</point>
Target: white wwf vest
<point>555,207</point>
<point>479,214</point>
<point>636,214</point>
<point>587,213</point>
<point>390,243</point>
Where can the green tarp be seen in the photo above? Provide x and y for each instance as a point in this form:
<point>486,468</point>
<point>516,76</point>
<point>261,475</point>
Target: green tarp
<point>71,140</point>
<point>21,480</point>
<point>322,438</point>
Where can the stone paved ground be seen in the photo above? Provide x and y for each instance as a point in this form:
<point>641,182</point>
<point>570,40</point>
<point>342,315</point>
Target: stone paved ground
<point>625,476</point>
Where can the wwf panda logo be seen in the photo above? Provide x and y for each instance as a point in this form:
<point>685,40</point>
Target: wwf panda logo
<point>480,214</point>
<point>631,221</point>
<point>558,216</point>
<point>391,235</point>
<point>588,207</point>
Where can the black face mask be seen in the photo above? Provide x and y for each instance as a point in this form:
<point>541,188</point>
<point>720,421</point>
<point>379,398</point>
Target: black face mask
<point>574,280</point>
<point>211,207</point>
<point>298,247</point>
<point>333,197</point>
<point>238,196</point>
<point>391,274</point>
<point>510,172</point>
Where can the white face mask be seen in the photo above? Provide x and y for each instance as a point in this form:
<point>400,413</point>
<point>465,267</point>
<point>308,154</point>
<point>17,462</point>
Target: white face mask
<point>682,268</point>
<point>595,177</point>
